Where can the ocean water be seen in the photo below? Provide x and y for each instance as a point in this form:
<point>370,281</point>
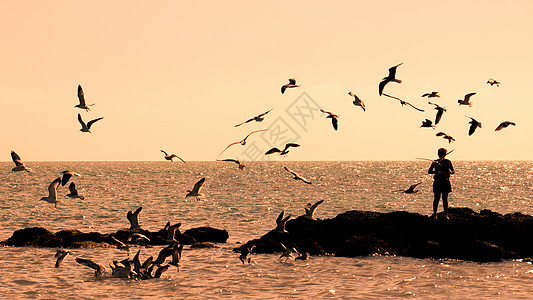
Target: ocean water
<point>246,203</point>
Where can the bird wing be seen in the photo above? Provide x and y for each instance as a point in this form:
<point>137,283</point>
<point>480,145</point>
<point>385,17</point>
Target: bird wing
<point>314,206</point>
<point>83,126</point>
<point>472,127</point>
<point>16,158</point>
<point>292,81</point>
<point>166,154</point>
<point>412,187</point>
<point>382,85</point>
<point>413,106</point>
<point>234,143</point>
<point>288,145</point>
<point>425,95</point>
<point>501,126</point>
<point>392,70</point>
<point>249,134</point>
<point>72,188</point>
<point>66,176</point>
<point>273,150</point>
<point>121,244</point>
<point>198,185</point>
<point>334,121</point>
<point>92,122</point>
<point>280,217</point>
<point>52,188</point>
<point>230,159</point>
<point>137,211</point>
<point>467,96</point>
<point>283,88</point>
<point>91,264</point>
<point>260,115</point>
<point>291,171</point>
<point>326,112</point>
<point>249,120</point>
<point>440,133</point>
<point>438,116</point>
<point>175,156</point>
<point>81,96</point>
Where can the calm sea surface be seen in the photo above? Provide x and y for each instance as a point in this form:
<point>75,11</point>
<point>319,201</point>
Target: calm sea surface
<point>246,203</point>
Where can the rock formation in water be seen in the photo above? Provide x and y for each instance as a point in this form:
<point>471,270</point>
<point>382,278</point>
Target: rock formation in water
<point>467,235</point>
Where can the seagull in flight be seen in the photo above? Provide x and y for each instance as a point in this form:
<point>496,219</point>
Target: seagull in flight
<point>440,111</point>
<point>389,78</point>
<point>357,101</point>
<point>52,192</point>
<point>241,166</point>
<point>81,97</point>
<point>291,84</point>
<point>66,176</point>
<point>466,100</point>
<point>310,209</point>
<point>446,137</point>
<point>280,222</point>
<point>296,176</point>
<point>504,125</point>
<point>60,255</point>
<point>196,190</point>
<point>258,118</point>
<point>19,165</point>
<point>242,142</point>
<point>285,150</point>
<point>74,192</point>
<point>86,128</point>
<point>493,82</point>
<point>431,95</point>
<point>334,118</point>
<point>411,189</point>
<point>170,157</point>
<point>474,125</point>
<point>99,270</point>
<point>402,102</point>
<point>133,218</point>
<point>427,123</point>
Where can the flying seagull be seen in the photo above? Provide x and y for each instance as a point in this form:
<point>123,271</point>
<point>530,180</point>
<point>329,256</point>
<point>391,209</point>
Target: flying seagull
<point>133,218</point>
<point>291,84</point>
<point>493,82</point>
<point>389,78</point>
<point>99,270</point>
<point>242,142</point>
<point>81,97</point>
<point>445,136</point>
<point>241,166</point>
<point>245,254</point>
<point>357,101</point>
<point>296,176</point>
<point>258,118</point>
<point>171,232</point>
<point>431,95</point>
<point>411,189</point>
<point>504,125</point>
<point>66,176</point>
<point>402,102</point>
<point>280,222</point>
<point>196,190</point>
<point>60,255</point>
<point>427,123</point>
<point>170,157</point>
<point>52,192</point>
<point>334,118</point>
<point>73,192</point>
<point>466,100</point>
<point>474,125</point>
<point>86,128</point>
<point>285,150</point>
<point>310,209</point>
<point>440,111</point>
<point>176,255</point>
<point>287,253</point>
<point>19,165</point>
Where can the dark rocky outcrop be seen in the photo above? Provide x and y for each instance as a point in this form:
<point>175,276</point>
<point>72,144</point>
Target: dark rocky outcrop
<point>467,235</point>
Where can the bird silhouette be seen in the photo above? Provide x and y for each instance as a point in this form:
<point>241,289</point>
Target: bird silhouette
<point>466,100</point>
<point>284,151</point>
<point>86,128</point>
<point>431,95</point>
<point>389,78</point>
<point>402,102</point>
<point>357,101</point>
<point>334,118</point>
<point>440,111</point>
<point>81,98</point>
<point>493,82</point>
<point>474,125</point>
<point>427,123</point>
<point>242,142</point>
<point>445,136</point>
<point>504,125</point>
<point>291,84</point>
<point>170,157</point>
<point>258,118</point>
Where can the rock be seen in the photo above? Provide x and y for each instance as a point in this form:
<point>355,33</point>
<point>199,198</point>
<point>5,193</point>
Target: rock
<point>33,236</point>
<point>203,245</point>
<point>206,234</point>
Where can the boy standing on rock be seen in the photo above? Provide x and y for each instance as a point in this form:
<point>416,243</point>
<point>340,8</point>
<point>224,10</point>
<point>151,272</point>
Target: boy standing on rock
<point>442,168</point>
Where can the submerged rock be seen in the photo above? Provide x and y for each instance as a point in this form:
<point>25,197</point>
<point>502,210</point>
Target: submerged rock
<point>467,235</point>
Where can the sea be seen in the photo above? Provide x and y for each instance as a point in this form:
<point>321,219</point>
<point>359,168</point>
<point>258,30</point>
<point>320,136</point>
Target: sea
<point>246,204</point>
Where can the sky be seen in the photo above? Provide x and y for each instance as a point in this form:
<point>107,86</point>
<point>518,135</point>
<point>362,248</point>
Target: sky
<point>178,75</point>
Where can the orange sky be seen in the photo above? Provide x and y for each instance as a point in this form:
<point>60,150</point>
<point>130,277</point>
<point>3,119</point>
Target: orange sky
<point>179,75</point>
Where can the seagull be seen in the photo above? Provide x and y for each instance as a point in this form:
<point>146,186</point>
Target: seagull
<point>245,254</point>
<point>302,256</point>
<point>81,97</point>
<point>242,142</point>
<point>280,222</point>
<point>310,209</point>
<point>296,176</point>
<point>427,123</point>
<point>334,118</point>
<point>411,189</point>
<point>170,157</point>
<point>121,245</point>
<point>66,176</point>
<point>164,253</point>
<point>431,95</point>
<point>288,252</point>
<point>474,125</point>
<point>133,217</point>
<point>196,190</point>
<point>136,237</point>
<point>357,101</point>
<point>73,192</point>
<point>176,255</point>
<point>86,128</point>
<point>493,82</point>
<point>257,118</point>
<point>52,192</point>
<point>389,78</point>
<point>285,150</point>
<point>241,166</point>
<point>160,271</point>
<point>99,270</point>
<point>446,137</point>
<point>291,84</point>
<point>171,232</point>
<point>504,125</point>
<point>466,100</point>
<point>19,165</point>
<point>60,255</point>
<point>440,111</point>
<point>402,102</point>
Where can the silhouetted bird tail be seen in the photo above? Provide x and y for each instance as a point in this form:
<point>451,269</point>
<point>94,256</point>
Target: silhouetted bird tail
<point>396,80</point>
